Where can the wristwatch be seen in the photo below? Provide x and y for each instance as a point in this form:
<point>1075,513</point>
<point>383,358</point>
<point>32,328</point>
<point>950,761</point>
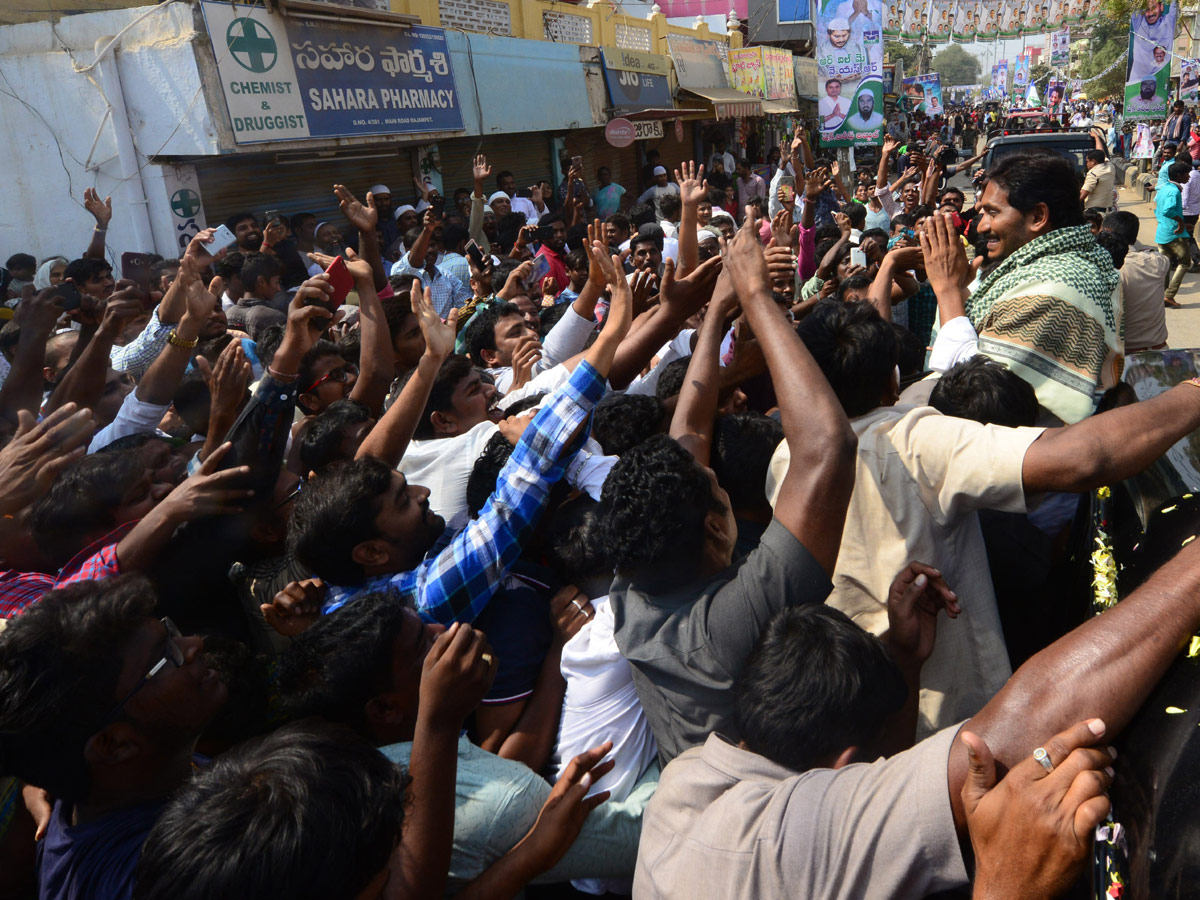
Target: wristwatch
<point>174,338</point>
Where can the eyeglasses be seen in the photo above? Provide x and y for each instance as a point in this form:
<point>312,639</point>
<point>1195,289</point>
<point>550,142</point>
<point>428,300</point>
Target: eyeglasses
<point>339,375</point>
<point>172,653</point>
<point>290,497</point>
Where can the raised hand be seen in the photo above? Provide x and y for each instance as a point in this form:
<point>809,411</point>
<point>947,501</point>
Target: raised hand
<point>296,607</point>
<point>596,238</point>
<point>123,306</point>
<point>644,285</point>
<point>357,266</point>
<point>692,186</point>
<point>781,263</point>
<point>307,317</point>
<point>101,210</point>
<point>40,312</point>
<point>480,170</point>
<point>783,232</point>
<point>814,183</point>
<point>422,188</point>
<point>439,335</point>
<point>566,809</point>
<point>842,221</point>
<point>692,292</point>
<point>746,262</point>
<point>620,308</point>
<point>363,217</point>
<point>36,455</point>
<point>457,672</point>
<point>946,264</point>
<point>890,144</point>
<point>916,596</point>
<point>526,353</point>
<point>197,248</point>
<point>209,492</point>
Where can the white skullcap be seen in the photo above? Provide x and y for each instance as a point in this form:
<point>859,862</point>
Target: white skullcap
<point>401,210</point>
<point>660,170</point>
<point>839,24</point>
<point>499,195</point>
<point>488,211</point>
<point>380,189</point>
<point>721,214</point>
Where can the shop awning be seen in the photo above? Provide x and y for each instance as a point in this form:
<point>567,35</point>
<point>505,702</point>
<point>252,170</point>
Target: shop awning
<point>728,103</point>
<point>779,107</point>
<point>646,114</point>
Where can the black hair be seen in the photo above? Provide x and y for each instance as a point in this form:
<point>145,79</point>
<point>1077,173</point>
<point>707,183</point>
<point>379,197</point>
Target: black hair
<point>192,402</point>
<point>259,265</point>
<point>641,214</point>
<point>81,270</point>
<point>654,503</point>
<point>855,348</point>
<point>904,219</point>
<point>950,189</point>
<point>877,233</point>
<point>1093,216</point>
<point>1123,224</point>
<point>1179,172</point>
<point>815,684</point>
<point>551,316</point>
<point>322,441</point>
<point>231,264</point>
<point>334,514</point>
<point>621,421</point>
<point>620,220</point>
<point>552,216</point>
<point>310,811</point>
<point>453,235</point>
<point>60,664</point>
<point>299,219</point>
<point>910,351</point>
<point>1116,247</point>
<point>410,240</point>
<point>508,227</point>
<point>501,272</point>
<point>670,205</point>
<point>481,483</point>
<point>397,310</point>
<point>1040,177</point>
<point>21,261</point>
<point>856,213</point>
<point>577,259</point>
<point>1097,156</point>
<point>743,444</point>
<point>452,371</point>
<point>504,173</point>
<point>670,380</point>
<point>350,346</point>
<point>856,282</point>
<point>308,362</point>
<point>984,391</point>
<point>163,266</point>
<point>82,502</point>
<point>576,548</point>
<point>233,221</point>
<point>267,343</point>
<point>483,329</point>
<point>826,232</point>
<point>648,234</point>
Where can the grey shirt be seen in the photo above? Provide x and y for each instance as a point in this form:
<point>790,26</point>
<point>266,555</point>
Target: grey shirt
<point>688,645</point>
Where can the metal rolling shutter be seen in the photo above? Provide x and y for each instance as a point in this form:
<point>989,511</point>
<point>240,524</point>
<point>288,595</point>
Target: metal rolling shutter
<point>260,182</point>
<point>527,156</point>
<point>596,152</point>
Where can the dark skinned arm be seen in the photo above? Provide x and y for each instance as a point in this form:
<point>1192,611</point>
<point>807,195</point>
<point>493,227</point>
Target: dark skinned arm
<point>692,189</point>
<point>102,211</point>
<point>83,383</point>
<point>23,387</point>
<point>816,490</point>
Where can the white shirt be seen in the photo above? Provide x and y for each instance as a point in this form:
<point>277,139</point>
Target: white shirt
<point>566,338</point>
<point>525,205</point>
<point>836,106</point>
<point>134,417</point>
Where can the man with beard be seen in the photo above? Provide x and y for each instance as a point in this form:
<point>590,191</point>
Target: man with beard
<point>866,118</point>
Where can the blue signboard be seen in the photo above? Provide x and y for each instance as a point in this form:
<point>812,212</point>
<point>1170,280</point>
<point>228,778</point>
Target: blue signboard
<point>636,80</point>
<point>357,79</point>
<point>791,11</point>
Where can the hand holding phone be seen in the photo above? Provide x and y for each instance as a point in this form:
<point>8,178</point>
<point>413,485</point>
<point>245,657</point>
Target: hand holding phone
<point>70,295</point>
<point>475,254</point>
<point>342,281</point>
<point>541,268</point>
<point>222,238</point>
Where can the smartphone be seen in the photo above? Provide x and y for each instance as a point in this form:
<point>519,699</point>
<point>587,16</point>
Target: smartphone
<point>787,188</point>
<point>274,215</point>
<point>577,162</point>
<point>69,294</point>
<point>475,253</point>
<point>222,238</point>
<point>136,267</point>
<point>342,281</point>
<point>541,268</point>
<point>858,257</point>
<point>543,233</point>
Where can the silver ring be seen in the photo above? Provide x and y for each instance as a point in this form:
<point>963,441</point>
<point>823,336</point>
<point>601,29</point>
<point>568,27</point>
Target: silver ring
<point>1043,757</point>
<point>575,603</point>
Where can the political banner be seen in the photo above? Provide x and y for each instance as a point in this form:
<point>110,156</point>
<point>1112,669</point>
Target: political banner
<point>1020,75</point>
<point>1057,94</point>
<point>941,18</point>
<point>746,65</point>
<point>850,62</point>
<point>924,94</point>
<point>893,17</point>
<point>693,8</point>
<point>1189,81</point>
<point>989,19</point>
<point>1056,15</point>
<point>1076,11</point>
<point>1148,71</point>
<point>1010,19</point>
<point>1033,18</point>
<point>1031,95</point>
<point>1143,143</point>
<point>295,77</point>
<point>966,21</point>
<point>1003,73</point>
<point>1060,48</point>
<point>914,18</point>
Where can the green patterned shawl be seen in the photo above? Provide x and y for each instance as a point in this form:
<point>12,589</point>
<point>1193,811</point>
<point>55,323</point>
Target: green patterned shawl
<point>1049,312</point>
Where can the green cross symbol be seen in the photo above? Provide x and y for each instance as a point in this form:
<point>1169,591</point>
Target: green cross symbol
<point>251,44</point>
<point>185,203</point>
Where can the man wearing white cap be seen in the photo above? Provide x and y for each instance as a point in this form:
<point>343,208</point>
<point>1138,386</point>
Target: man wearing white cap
<point>662,187</point>
<point>500,203</point>
<point>388,228</point>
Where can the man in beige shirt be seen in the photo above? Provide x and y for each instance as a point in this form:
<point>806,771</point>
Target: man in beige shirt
<point>1098,184</point>
<point>1143,286</point>
<point>922,476</point>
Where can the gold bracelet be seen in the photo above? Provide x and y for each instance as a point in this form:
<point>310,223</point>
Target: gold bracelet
<point>174,338</point>
<point>1195,382</point>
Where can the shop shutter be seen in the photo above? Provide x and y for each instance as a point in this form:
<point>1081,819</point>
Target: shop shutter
<point>260,182</point>
<point>527,156</point>
<point>596,152</point>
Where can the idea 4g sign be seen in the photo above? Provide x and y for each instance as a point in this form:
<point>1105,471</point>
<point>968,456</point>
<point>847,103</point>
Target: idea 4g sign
<point>636,80</point>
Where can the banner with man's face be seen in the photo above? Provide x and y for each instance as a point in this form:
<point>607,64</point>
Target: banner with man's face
<point>850,72</point>
<point>1020,75</point>
<point>941,21</point>
<point>1010,18</point>
<point>893,17</point>
<point>1189,81</point>
<point>1148,70</point>
<point>924,94</point>
<point>1056,95</point>
<point>966,21</point>
<point>1060,48</point>
<point>989,19</point>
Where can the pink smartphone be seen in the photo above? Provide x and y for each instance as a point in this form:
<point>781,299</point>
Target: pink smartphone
<point>342,281</point>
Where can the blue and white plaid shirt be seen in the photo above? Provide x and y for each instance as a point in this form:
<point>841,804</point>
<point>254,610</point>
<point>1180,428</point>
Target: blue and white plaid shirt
<point>459,575</point>
<point>447,290</point>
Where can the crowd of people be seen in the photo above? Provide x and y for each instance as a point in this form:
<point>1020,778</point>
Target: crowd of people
<point>578,534</point>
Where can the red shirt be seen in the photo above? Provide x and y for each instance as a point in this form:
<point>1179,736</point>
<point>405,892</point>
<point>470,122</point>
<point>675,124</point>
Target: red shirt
<point>558,269</point>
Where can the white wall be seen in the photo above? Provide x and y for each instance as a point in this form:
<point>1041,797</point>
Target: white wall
<point>51,115</point>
